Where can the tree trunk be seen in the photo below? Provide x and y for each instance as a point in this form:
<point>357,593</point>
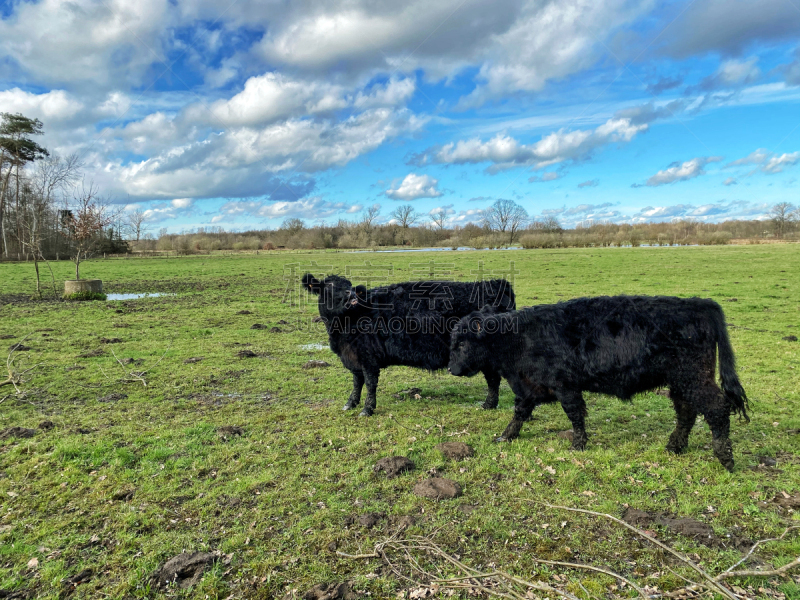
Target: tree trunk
<point>3,209</point>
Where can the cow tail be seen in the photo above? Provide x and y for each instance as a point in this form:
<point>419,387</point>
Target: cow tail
<point>732,388</point>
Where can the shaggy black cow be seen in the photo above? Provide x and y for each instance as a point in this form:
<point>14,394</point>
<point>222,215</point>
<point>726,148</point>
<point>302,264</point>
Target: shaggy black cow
<point>619,345</point>
<point>401,324</point>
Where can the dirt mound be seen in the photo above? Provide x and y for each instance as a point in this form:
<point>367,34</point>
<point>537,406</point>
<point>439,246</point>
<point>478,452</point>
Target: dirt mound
<point>316,364</point>
<point>244,312</point>
<point>17,432</point>
<point>275,330</point>
<point>332,591</point>
<point>184,569</point>
<point>685,526</point>
<point>92,353</point>
<point>19,347</point>
<point>258,326</point>
<point>105,340</point>
<point>567,435</point>
<point>229,431</point>
<point>437,488</point>
<point>393,466</point>
<point>790,338</point>
<point>369,520</point>
<point>70,583</point>
<point>455,450</point>
<point>784,500</point>
<point>246,354</point>
<point>132,361</point>
<point>45,425</point>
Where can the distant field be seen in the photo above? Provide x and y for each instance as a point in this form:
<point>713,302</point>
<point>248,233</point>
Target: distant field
<point>131,475</point>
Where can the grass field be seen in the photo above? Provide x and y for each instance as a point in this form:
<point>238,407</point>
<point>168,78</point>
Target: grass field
<point>132,474</point>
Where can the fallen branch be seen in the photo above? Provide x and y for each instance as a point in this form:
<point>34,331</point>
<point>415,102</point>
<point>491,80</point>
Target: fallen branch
<point>16,378</point>
<point>753,549</point>
<point>571,565</point>
<point>779,571</point>
<point>715,584</point>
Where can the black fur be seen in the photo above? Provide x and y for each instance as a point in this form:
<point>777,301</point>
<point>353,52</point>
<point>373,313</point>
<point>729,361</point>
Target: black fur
<point>619,345</point>
<point>401,324</point>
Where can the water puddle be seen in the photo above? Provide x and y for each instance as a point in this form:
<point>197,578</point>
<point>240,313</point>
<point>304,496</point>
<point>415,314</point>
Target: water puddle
<point>459,249</point>
<point>315,347</point>
<point>135,296</point>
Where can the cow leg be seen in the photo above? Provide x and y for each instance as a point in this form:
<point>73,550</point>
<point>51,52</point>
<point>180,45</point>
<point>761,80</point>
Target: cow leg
<point>573,404</point>
<point>686,415</point>
<point>355,396</point>
<point>523,407</point>
<point>493,395</point>
<point>371,379</point>
<point>718,417</point>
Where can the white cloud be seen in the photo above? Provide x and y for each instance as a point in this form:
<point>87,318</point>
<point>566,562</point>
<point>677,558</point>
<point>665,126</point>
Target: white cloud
<point>415,186</point>
<point>505,152</point>
<point>56,105</point>
<point>682,171</point>
<point>396,92</point>
<point>766,161</point>
<point>314,207</point>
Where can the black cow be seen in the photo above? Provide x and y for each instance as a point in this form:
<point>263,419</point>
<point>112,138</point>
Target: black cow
<point>619,345</point>
<point>401,324</point>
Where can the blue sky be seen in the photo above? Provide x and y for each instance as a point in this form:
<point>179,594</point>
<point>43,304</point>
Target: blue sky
<point>243,114</point>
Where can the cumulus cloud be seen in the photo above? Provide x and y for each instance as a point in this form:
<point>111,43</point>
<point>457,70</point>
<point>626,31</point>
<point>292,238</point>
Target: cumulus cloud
<point>505,152</point>
<point>415,186</point>
<point>737,209</point>
<point>729,26</point>
<point>730,181</point>
<point>766,162</point>
<point>315,206</point>
<point>682,171</point>
<point>731,73</point>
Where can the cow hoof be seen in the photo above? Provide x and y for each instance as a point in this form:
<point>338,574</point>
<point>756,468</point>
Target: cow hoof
<point>723,450</point>
<point>349,406</point>
<point>367,412</point>
<point>489,405</point>
<point>502,439</point>
<point>676,449</point>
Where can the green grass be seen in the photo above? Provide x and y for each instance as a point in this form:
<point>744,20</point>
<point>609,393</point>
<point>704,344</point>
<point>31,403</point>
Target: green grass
<point>278,496</point>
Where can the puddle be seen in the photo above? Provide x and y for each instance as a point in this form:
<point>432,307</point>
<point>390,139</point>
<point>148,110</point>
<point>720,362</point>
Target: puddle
<point>459,249</point>
<point>315,347</point>
<point>134,296</point>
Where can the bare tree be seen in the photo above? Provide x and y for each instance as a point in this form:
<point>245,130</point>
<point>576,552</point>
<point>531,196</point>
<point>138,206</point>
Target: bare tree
<point>782,217</point>
<point>369,216</point>
<point>439,218</point>
<point>87,215</point>
<point>137,223</point>
<point>506,217</point>
<point>405,215</point>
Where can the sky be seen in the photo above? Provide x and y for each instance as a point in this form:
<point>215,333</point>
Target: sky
<point>243,114</point>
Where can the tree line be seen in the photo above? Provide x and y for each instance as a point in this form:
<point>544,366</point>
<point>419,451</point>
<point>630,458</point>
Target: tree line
<point>48,211</point>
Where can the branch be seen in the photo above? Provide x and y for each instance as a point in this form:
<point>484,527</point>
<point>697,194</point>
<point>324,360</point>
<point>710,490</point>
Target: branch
<point>711,581</point>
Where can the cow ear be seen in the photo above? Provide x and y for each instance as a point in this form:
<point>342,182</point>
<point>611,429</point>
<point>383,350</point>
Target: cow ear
<point>361,292</point>
<point>311,284</point>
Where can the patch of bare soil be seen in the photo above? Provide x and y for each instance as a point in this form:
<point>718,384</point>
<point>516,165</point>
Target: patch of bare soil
<point>123,495</point>
<point>369,520</point>
<point>92,353</point>
<point>455,450</point>
<point>193,359</point>
<point>185,569</point>
<point>19,347</point>
<point>393,466</point>
<point>228,431</point>
<point>276,330</point>
<point>414,392</point>
<point>258,326</point>
<point>113,397</point>
<point>687,527</point>
<point>246,354</point>
<point>567,435</point>
<point>46,425</point>
<point>70,583</point>
<point>132,361</point>
<point>316,364</point>
<point>437,488</point>
<point>787,501</point>
<point>245,312</point>
<point>105,340</point>
<point>327,591</point>
<point>17,432</point>
<point>790,338</point>
<point>7,336</point>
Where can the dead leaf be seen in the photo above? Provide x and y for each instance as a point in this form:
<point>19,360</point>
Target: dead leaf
<point>33,563</point>
<point>588,493</point>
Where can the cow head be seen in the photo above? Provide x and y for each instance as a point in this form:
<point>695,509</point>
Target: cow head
<point>468,351</point>
<point>336,294</point>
